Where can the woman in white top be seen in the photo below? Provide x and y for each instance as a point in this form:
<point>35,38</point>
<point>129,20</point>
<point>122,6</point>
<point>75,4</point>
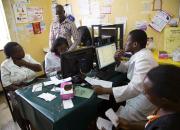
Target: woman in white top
<point>18,69</point>
<point>52,58</point>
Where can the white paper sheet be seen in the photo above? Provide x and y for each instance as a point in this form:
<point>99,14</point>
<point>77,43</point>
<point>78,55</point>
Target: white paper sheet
<point>56,89</point>
<point>103,123</point>
<point>112,116</point>
<point>56,81</point>
<point>103,83</point>
<point>47,96</point>
<point>37,87</point>
<point>68,104</point>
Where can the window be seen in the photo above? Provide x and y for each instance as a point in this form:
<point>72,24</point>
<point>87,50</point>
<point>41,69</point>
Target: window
<point>4,33</point>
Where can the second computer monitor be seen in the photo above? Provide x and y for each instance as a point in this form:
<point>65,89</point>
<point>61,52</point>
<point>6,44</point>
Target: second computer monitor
<point>105,55</point>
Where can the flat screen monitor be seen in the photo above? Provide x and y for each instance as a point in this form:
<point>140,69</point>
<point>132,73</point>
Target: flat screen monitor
<point>105,55</point>
<point>74,62</point>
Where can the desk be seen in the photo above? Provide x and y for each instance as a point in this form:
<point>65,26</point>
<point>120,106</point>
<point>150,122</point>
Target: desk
<point>51,115</point>
<point>164,61</point>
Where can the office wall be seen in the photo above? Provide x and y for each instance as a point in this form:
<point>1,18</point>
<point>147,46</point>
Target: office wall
<point>33,44</point>
<point>133,9</point>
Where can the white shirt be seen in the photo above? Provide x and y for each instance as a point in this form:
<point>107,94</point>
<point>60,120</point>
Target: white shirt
<point>137,105</point>
<point>11,73</point>
<point>52,62</point>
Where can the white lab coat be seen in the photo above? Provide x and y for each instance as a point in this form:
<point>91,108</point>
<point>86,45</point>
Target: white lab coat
<point>137,105</point>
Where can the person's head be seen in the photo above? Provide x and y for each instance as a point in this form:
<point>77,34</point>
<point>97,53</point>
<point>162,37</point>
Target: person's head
<point>60,11</point>
<point>14,50</point>
<point>162,87</point>
<point>137,39</point>
<point>59,46</point>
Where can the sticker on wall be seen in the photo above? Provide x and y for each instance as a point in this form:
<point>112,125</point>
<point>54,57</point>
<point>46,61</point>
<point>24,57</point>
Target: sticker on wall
<point>20,12</point>
<point>29,28</point>
<point>43,26</point>
<point>36,28</point>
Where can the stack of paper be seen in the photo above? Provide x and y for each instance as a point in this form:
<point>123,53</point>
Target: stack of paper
<point>47,96</point>
<point>103,83</point>
<point>103,123</point>
<point>83,92</point>
<point>37,87</point>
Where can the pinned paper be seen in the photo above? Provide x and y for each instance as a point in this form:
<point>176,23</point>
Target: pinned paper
<point>160,20</point>
<point>20,13</point>
<point>35,14</point>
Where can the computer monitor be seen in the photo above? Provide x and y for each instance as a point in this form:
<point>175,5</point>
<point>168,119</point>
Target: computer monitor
<point>105,55</point>
<point>74,62</point>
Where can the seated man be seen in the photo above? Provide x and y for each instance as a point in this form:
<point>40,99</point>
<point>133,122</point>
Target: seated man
<point>137,105</point>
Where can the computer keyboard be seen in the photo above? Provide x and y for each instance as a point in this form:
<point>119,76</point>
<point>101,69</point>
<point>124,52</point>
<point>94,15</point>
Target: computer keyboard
<point>106,75</point>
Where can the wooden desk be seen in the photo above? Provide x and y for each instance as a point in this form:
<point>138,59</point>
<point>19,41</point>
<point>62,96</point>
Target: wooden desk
<point>164,61</point>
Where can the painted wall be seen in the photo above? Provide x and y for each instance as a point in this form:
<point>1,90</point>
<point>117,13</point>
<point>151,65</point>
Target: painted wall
<point>33,44</point>
<point>133,9</point>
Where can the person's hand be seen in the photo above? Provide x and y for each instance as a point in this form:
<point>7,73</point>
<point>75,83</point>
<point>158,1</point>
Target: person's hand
<point>20,62</point>
<point>118,55</point>
<point>99,89</point>
<point>123,124</point>
<point>103,128</point>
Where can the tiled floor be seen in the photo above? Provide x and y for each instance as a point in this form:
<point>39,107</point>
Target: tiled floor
<point>6,121</point>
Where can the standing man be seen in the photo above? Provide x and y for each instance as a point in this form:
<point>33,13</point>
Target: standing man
<point>64,27</point>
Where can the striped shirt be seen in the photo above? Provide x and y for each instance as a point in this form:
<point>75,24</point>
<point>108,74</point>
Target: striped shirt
<point>66,29</point>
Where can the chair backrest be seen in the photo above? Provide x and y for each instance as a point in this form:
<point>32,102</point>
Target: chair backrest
<point>85,36</point>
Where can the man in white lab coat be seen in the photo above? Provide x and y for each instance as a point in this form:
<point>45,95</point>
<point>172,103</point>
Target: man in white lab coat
<point>137,105</point>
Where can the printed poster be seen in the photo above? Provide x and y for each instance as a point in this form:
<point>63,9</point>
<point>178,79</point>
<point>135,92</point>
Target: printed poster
<point>160,20</point>
<point>20,12</point>
<point>35,14</point>
<point>36,28</point>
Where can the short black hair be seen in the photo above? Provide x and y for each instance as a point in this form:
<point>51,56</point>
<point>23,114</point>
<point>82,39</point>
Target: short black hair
<point>9,48</point>
<point>166,82</point>
<point>139,36</point>
<point>58,42</point>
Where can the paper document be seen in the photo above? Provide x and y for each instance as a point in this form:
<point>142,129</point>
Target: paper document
<point>47,83</point>
<point>47,96</point>
<point>83,92</point>
<point>57,81</point>
<point>68,104</point>
<point>103,83</point>
<point>37,87</point>
<point>103,123</point>
<point>112,116</point>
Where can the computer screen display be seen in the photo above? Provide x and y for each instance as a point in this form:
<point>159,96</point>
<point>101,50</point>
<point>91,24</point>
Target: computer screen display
<point>105,55</point>
<point>74,62</point>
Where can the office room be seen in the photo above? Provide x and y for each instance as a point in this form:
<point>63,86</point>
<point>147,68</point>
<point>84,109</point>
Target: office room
<point>90,64</point>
